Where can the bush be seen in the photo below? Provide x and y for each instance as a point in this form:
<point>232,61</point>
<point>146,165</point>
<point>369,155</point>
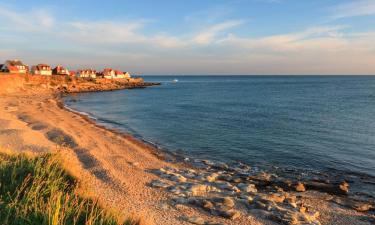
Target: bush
<point>39,191</point>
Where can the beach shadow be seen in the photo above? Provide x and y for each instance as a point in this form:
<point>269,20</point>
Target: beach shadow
<point>9,132</point>
<point>61,138</point>
<point>32,123</point>
<point>90,163</point>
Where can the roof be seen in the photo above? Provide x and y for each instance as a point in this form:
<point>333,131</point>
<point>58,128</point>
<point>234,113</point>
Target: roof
<point>107,70</point>
<point>117,72</point>
<point>40,67</point>
<point>60,67</point>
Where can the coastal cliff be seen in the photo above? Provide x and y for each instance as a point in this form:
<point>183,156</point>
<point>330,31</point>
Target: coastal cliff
<point>67,84</point>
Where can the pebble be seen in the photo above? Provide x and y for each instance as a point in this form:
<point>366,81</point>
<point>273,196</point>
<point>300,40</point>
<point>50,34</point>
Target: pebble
<point>300,187</point>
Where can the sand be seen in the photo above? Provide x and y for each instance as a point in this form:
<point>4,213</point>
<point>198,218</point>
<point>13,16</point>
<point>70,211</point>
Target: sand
<point>113,167</point>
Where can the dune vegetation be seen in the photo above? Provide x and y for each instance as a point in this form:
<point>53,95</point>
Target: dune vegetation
<point>37,190</point>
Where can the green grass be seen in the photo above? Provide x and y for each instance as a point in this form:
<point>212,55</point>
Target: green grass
<point>37,190</point>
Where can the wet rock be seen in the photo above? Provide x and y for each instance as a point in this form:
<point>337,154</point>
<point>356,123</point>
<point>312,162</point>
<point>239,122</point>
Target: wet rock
<point>300,187</point>
<point>336,189</point>
<point>363,207</point>
<point>344,187</point>
<point>208,162</point>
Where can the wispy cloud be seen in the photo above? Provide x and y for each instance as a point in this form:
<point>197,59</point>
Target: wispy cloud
<point>210,33</point>
<point>34,20</point>
<point>354,8</point>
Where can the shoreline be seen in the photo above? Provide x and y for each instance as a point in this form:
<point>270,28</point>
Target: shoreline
<point>131,177</point>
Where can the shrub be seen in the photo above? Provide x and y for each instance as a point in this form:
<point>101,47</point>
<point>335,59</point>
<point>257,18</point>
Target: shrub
<point>37,190</point>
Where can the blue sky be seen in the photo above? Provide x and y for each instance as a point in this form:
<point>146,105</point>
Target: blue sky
<point>193,37</point>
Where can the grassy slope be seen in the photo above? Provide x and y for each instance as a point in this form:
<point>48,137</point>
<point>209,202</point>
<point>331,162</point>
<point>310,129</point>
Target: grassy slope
<point>37,190</point>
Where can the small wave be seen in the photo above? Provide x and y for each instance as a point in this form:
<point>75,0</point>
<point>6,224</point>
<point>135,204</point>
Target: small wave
<point>81,113</point>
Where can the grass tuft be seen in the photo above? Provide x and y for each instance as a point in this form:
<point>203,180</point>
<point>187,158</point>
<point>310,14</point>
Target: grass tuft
<point>37,190</point>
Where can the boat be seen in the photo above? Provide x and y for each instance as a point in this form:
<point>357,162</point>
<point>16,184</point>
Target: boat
<point>175,81</point>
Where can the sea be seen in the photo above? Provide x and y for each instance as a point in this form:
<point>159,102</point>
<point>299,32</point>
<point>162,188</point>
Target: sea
<point>324,124</point>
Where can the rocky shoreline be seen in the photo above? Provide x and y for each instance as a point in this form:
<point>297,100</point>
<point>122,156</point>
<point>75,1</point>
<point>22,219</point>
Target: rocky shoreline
<point>230,191</point>
<point>66,84</point>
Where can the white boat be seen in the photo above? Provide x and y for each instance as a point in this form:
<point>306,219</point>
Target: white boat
<point>175,81</point>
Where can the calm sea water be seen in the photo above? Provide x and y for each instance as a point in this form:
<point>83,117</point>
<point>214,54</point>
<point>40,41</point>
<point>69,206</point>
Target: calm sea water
<point>311,122</point>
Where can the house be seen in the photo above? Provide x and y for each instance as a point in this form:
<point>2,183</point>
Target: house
<point>14,66</point>
<point>86,73</point>
<point>109,73</point>
<point>72,73</point>
<point>41,69</point>
<point>59,70</point>
<point>121,75</point>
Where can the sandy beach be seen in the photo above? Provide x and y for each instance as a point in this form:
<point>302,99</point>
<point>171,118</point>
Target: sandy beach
<point>117,169</point>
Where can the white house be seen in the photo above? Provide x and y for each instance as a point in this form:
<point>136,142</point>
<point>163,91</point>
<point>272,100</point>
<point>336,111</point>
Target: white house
<point>121,75</point>
<point>41,69</point>
<point>14,66</point>
<point>86,73</point>
<point>109,73</point>
<point>60,70</point>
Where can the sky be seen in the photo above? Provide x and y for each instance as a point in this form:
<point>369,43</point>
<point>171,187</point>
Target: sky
<point>193,37</point>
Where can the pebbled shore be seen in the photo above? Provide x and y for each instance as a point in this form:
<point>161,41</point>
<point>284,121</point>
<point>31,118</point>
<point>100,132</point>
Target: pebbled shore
<point>134,179</point>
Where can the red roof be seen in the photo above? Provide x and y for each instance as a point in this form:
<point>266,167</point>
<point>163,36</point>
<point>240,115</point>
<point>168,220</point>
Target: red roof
<point>118,72</point>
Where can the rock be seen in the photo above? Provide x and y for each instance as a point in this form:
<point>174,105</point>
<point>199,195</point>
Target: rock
<point>180,201</point>
<point>229,214</point>
<point>200,189</point>
<point>263,214</point>
<point>224,185</point>
<point>207,205</point>
<point>300,187</point>
<point>236,180</point>
<point>158,184</point>
<point>227,201</point>
<point>135,164</point>
<point>276,198</point>
<point>212,177</point>
<point>362,207</point>
<point>249,188</point>
<point>195,220</point>
<point>312,216</point>
<point>336,189</point>
<point>208,162</point>
<point>177,177</point>
<point>344,187</point>
<point>220,166</point>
